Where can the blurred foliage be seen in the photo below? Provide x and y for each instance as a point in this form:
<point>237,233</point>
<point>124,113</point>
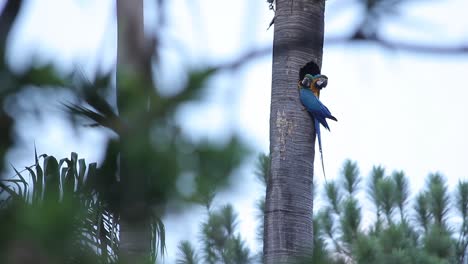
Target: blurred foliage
<point>65,211</point>
<point>262,172</point>
<point>432,230</point>
<point>187,254</point>
<point>220,241</point>
<point>53,214</point>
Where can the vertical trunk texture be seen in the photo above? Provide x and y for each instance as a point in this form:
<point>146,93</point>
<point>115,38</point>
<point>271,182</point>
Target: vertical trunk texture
<point>298,39</point>
<point>135,229</point>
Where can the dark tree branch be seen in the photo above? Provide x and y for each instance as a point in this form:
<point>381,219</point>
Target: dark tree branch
<point>399,45</point>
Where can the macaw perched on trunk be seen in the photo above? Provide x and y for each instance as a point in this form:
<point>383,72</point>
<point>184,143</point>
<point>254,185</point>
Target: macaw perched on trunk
<point>310,88</point>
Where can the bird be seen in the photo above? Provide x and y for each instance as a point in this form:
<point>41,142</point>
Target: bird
<point>309,92</point>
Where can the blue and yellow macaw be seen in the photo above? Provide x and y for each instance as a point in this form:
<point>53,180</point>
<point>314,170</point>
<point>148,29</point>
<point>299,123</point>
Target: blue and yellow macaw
<point>309,89</point>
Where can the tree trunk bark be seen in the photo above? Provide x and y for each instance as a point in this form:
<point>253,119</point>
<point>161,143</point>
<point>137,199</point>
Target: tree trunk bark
<point>298,39</point>
<point>132,60</point>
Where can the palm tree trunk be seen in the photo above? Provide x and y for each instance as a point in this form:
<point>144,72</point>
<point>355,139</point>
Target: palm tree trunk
<point>135,229</point>
<point>298,39</point>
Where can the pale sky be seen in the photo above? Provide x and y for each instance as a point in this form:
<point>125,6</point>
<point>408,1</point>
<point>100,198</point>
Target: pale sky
<point>402,110</point>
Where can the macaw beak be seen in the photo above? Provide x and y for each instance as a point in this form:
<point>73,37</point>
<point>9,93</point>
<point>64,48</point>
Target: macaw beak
<point>322,83</point>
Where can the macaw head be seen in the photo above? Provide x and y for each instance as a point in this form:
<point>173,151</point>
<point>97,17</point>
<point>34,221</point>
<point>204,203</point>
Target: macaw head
<point>310,77</point>
<point>315,82</point>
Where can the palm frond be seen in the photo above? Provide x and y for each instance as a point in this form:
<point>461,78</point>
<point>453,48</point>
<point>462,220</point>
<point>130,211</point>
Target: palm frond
<point>461,204</point>
<point>260,209</point>
<point>98,118</point>
<point>377,173</point>
<point>236,252</point>
<point>461,199</point>
<point>158,237</point>
<point>186,253</point>
<point>350,220</point>
<point>402,192</point>
<point>423,215</point>
<point>64,180</point>
<point>262,169</point>
<point>333,196</point>
<point>386,196</point>
<point>229,218</point>
<point>351,178</point>
<point>439,200</point>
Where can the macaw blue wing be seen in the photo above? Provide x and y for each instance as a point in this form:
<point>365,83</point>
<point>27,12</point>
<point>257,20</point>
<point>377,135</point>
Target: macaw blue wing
<point>315,107</point>
<point>319,112</point>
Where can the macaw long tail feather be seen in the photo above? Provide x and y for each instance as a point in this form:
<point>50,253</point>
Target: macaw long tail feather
<point>317,131</point>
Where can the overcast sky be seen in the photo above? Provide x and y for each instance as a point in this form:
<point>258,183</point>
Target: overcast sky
<point>405,111</point>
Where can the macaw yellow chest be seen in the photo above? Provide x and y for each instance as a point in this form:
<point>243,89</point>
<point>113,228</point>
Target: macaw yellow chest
<point>314,89</point>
